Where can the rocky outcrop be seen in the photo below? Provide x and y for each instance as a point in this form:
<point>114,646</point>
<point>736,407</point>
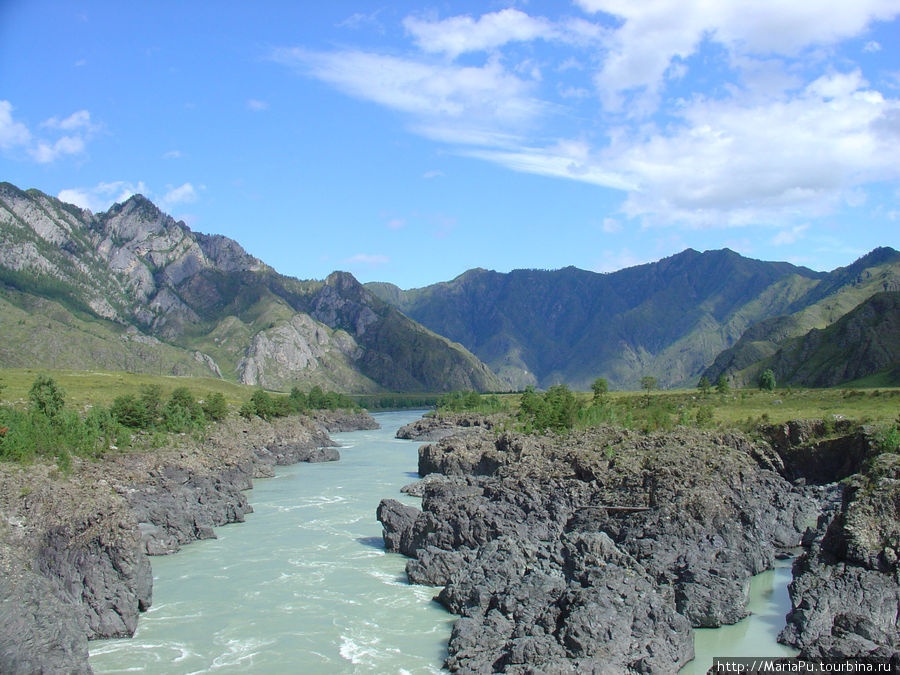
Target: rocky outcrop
<point>846,589</point>
<point>73,548</point>
<point>434,427</point>
<point>595,552</point>
<point>335,421</point>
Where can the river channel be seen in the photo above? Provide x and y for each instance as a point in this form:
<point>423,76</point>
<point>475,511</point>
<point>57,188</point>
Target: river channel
<point>306,586</point>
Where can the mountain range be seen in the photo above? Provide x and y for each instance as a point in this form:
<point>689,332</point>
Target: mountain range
<point>673,319</point>
<point>132,289</point>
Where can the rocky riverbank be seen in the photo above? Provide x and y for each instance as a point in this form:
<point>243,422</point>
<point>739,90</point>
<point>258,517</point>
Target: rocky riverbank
<point>846,588</point>
<point>598,551</point>
<point>74,548</point>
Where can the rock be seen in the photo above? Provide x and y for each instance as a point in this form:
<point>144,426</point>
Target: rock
<point>74,548</point>
<point>845,595</point>
<point>435,427</point>
<point>597,551</point>
<point>39,631</point>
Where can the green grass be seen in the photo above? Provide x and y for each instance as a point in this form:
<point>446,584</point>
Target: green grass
<point>89,387</point>
<point>781,405</point>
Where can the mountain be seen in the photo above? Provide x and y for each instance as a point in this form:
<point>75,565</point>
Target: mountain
<point>669,319</point>
<point>132,289</point>
<point>864,343</point>
<point>838,293</point>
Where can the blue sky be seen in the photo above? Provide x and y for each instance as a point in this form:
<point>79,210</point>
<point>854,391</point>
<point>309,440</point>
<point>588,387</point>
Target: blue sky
<point>408,142</point>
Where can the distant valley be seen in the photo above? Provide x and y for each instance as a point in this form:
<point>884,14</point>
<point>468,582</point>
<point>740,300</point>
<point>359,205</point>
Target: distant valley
<point>132,289</point>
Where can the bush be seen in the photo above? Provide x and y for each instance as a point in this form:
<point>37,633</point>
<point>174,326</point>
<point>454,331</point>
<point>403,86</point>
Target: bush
<point>214,407</point>
<point>704,415</point>
<point>767,380</point>
<point>46,396</point>
<point>182,412</point>
<point>557,409</point>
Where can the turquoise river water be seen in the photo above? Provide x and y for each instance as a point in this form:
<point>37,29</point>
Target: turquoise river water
<point>306,586</point>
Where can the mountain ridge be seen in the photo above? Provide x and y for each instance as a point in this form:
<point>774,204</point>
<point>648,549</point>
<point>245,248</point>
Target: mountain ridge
<point>670,318</point>
<point>132,274</point>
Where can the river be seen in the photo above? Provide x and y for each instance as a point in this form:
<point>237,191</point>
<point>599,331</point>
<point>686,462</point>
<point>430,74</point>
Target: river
<point>305,585</point>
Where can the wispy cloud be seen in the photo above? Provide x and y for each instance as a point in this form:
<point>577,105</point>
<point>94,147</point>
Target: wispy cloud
<point>460,34</point>
<point>751,152</point>
<point>183,194</point>
<point>71,135</point>
<point>12,133</point>
<point>367,259</point>
<point>256,105</point>
<point>103,195</point>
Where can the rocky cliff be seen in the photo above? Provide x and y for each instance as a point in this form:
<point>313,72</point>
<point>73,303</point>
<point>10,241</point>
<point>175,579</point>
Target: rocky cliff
<point>132,289</point>
<point>594,552</point>
<point>73,548</point>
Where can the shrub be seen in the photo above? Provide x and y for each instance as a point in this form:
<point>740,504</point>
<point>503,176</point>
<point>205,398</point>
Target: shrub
<point>46,396</point>
<point>767,380</point>
<point>128,411</point>
<point>182,412</point>
<point>215,407</point>
<point>299,400</point>
<point>704,415</point>
<point>556,409</point>
<point>262,404</point>
<point>722,385</point>
<point>704,386</point>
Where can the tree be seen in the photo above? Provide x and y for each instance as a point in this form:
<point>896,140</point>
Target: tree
<point>262,404</point>
<point>215,407</point>
<point>722,385</point>
<point>46,396</point>
<point>600,387</point>
<point>648,383</point>
<point>767,380</point>
<point>704,386</point>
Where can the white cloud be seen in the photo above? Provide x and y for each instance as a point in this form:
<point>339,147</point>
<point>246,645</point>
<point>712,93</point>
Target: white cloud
<point>731,164</point>
<point>256,105</point>
<point>434,173</point>
<point>78,128</point>
<point>790,236</point>
<point>784,136</point>
<point>368,259</point>
<point>101,196</point>
<point>460,34</point>
<point>12,133</point>
<point>872,47</point>
<point>182,194</point>
<point>727,163</point>
<point>396,223</point>
<point>173,154</point>
<point>77,120</point>
<point>611,225</point>
<point>446,101</point>
<point>45,152</point>
<point>654,33</point>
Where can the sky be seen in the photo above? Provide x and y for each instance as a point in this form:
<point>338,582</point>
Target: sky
<point>410,141</point>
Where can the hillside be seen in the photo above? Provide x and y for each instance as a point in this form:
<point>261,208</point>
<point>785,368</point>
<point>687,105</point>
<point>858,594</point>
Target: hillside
<point>668,319</point>
<point>132,289</point>
<point>838,293</point>
<point>864,343</point>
